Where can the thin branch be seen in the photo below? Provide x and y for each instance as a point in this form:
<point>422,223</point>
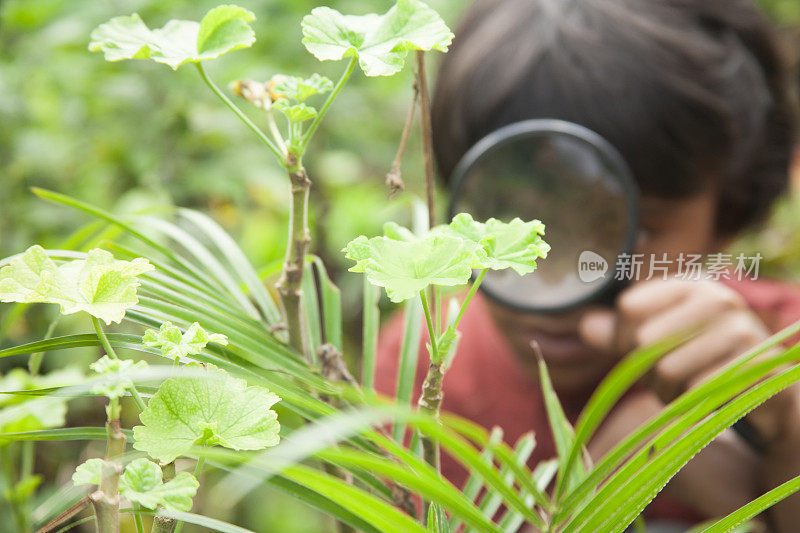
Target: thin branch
<point>393,179</point>
<point>427,156</point>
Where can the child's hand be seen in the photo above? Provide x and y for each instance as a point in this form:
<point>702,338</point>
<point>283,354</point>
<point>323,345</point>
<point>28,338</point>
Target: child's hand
<point>653,310</point>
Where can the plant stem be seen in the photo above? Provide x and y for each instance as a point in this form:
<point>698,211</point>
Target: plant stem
<point>238,112</point>
<point>162,524</point>
<point>105,500</point>
<point>198,469</point>
<point>324,109</point>
<point>137,519</point>
<point>276,133</point>
<point>98,329</point>
<point>472,290</point>
<point>289,286</point>
<point>427,140</point>
<point>430,401</point>
<point>431,330</point>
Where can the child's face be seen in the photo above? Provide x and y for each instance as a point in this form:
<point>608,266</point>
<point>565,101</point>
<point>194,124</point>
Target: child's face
<point>667,226</point>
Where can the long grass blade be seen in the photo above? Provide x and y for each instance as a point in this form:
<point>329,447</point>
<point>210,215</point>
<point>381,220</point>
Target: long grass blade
<point>543,475</point>
<point>491,502</point>
<point>755,507</point>
<point>563,434</point>
<point>371,325</point>
<point>237,260</point>
<point>474,484</point>
<point>331,298</point>
<point>196,519</point>
<point>723,385</point>
<point>502,453</point>
<point>620,500</point>
<point>423,481</point>
<point>464,453</point>
<point>610,390</point>
<point>380,514</point>
<point>310,306</point>
<point>202,256</point>
<point>321,503</point>
<point>73,433</point>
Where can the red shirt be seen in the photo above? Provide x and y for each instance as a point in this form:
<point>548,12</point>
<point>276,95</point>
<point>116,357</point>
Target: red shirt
<point>486,384</point>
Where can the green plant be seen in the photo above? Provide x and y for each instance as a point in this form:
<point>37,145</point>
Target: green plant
<point>324,442</point>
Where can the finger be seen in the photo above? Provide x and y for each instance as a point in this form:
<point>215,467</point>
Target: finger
<point>705,305</point>
<point>728,337</point>
<point>642,301</point>
<point>597,329</point>
<point>649,297</point>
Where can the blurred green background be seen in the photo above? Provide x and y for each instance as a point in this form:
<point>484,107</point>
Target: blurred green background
<point>135,135</point>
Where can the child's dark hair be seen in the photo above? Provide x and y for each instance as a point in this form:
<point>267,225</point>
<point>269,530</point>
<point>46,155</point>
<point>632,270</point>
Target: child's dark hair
<point>692,92</point>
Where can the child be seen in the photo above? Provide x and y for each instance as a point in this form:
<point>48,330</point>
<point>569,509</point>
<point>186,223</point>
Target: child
<point>696,97</point>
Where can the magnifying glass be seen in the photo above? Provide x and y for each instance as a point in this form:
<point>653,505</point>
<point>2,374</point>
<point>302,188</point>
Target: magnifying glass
<point>574,181</point>
<point>579,185</point>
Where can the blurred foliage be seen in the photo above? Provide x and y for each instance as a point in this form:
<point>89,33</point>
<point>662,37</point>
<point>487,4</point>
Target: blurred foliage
<point>139,136</point>
<point>784,11</point>
<point>136,136</point>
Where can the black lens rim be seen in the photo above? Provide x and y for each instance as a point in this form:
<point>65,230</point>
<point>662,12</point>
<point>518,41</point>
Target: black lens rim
<point>537,127</point>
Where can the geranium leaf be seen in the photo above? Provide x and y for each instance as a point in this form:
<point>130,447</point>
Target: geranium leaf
<point>223,29</point>
<point>142,483</point>
<point>404,268</point>
<point>215,409</point>
<point>395,231</point>
<point>380,42</point>
<point>295,113</point>
<point>100,285</point>
<point>299,89</point>
<point>515,245</point>
<point>115,370</point>
<point>88,473</point>
<point>175,345</point>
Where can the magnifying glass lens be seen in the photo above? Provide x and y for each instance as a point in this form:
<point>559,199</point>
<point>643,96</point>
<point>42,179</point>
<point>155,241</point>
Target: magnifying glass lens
<point>582,192</point>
